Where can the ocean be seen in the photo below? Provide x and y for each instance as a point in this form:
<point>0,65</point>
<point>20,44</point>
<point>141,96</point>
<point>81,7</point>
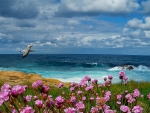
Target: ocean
<point>73,67</point>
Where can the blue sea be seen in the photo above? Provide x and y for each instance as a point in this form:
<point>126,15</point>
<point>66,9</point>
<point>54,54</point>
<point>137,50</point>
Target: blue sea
<point>73,67</point>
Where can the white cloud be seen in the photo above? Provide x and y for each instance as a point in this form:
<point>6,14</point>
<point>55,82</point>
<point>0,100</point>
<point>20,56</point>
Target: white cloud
<point>136,32</point>
<point>89,7</point>
<point>146,6</point>
<point>139,24</point>
<point>144,43</point>
<point>147,34</point>
<point>73,22</point>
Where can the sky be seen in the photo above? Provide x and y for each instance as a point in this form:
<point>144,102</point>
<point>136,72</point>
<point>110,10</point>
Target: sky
<point>75,26</point>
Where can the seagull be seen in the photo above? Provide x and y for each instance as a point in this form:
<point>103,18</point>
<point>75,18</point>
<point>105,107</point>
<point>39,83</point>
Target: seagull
<point>27,50</point>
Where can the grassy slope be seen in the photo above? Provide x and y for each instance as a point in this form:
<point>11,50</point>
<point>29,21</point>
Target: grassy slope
<point>144,88</point>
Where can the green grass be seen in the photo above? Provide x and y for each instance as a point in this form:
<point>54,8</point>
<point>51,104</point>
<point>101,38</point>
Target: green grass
<point>144,88</point>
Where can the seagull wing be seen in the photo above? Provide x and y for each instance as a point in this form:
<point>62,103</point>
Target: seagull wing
<point>31,50</point>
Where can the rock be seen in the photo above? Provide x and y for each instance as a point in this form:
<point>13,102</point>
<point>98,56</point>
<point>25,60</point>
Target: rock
<point>16,77</point>
<point>127,67</point>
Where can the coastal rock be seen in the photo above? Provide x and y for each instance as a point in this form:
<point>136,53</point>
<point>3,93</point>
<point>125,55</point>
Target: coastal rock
<point>16,77</point>
<point>127,67</point>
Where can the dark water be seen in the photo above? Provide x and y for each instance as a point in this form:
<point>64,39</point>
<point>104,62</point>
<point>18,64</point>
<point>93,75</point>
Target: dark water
<point>70,67</point>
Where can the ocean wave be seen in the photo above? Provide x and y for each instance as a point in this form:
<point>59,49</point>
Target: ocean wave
<point>142,68</point>
<point>138,68</point>
<point>89,65</point>
<point>70,64</point>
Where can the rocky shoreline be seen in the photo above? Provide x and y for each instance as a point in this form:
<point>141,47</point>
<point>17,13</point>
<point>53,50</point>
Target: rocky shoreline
<point>17,77</point>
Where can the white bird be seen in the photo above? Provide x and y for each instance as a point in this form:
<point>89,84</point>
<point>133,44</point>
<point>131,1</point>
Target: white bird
<point>27,50</point>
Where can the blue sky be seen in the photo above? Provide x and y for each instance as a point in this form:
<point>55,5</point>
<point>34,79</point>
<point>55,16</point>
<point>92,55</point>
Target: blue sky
<point>75,26</point>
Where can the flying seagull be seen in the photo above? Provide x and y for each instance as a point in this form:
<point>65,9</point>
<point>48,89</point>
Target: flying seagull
<point>27,50</point>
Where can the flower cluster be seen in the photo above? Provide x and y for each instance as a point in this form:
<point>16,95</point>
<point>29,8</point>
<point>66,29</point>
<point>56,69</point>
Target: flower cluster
<point>88,96</point>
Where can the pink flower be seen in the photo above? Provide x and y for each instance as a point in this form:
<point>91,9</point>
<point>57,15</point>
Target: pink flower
<point>35,98</point>
<point>89,87</point>
<point>94,110</point>
<point>124,109</point>
<point>87,78</point>
<point>39,103</point>
<point>95,81</point>
<point>83,82</point>
<point>60,85</point>
<point>100,85</point>
<point>73,84</point>
<point>36,84</point>
<point>59,101</point>
<point>137,109</point>
<point>28,98</point>
<point>4,96</point>
<point>109,111</point>
<point>125,78</point>
<point>83,98</point>
<point>27,109</point>
<point>6,87</point>
<point>79,92</point>
<point>108,93</point>
<point>128,96</point>
<point>121,74</point>
<point>110,77</point>
<point>119,97</point>
<point>14,111</point>
<point>1,99</point>
<point>73,99</point>
<point>136,93</point>
<point>105,78</point>
<point>39,82</point>
<point>118,102</point>
<point>92,98</point>
<point>148,96</point>
<point>70,110</point>
<point>17,90</point>
<point>50,103</point>
<point>80,106</point>
<point>72,88</point>
<point>45,89</point>
<point>107,98</point>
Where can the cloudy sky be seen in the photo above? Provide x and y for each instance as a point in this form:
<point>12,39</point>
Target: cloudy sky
<point>75,26</point>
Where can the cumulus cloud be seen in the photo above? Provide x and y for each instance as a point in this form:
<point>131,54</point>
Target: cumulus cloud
<point>146,7</point>
<point>139,24</point>
<point>69,8</point>
<point>32,21</point>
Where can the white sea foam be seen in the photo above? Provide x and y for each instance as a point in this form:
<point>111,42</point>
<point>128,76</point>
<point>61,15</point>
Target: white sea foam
<point>78,79</point>
<point>139,68</point>
<point>114,68</point>
<point>142,68</point>
<point>93,63</point>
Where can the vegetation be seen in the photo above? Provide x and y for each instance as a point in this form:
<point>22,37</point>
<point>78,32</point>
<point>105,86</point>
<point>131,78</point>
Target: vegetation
<point>88,96</point>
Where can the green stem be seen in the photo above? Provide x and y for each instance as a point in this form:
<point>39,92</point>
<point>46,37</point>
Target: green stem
<point>7,108</point>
